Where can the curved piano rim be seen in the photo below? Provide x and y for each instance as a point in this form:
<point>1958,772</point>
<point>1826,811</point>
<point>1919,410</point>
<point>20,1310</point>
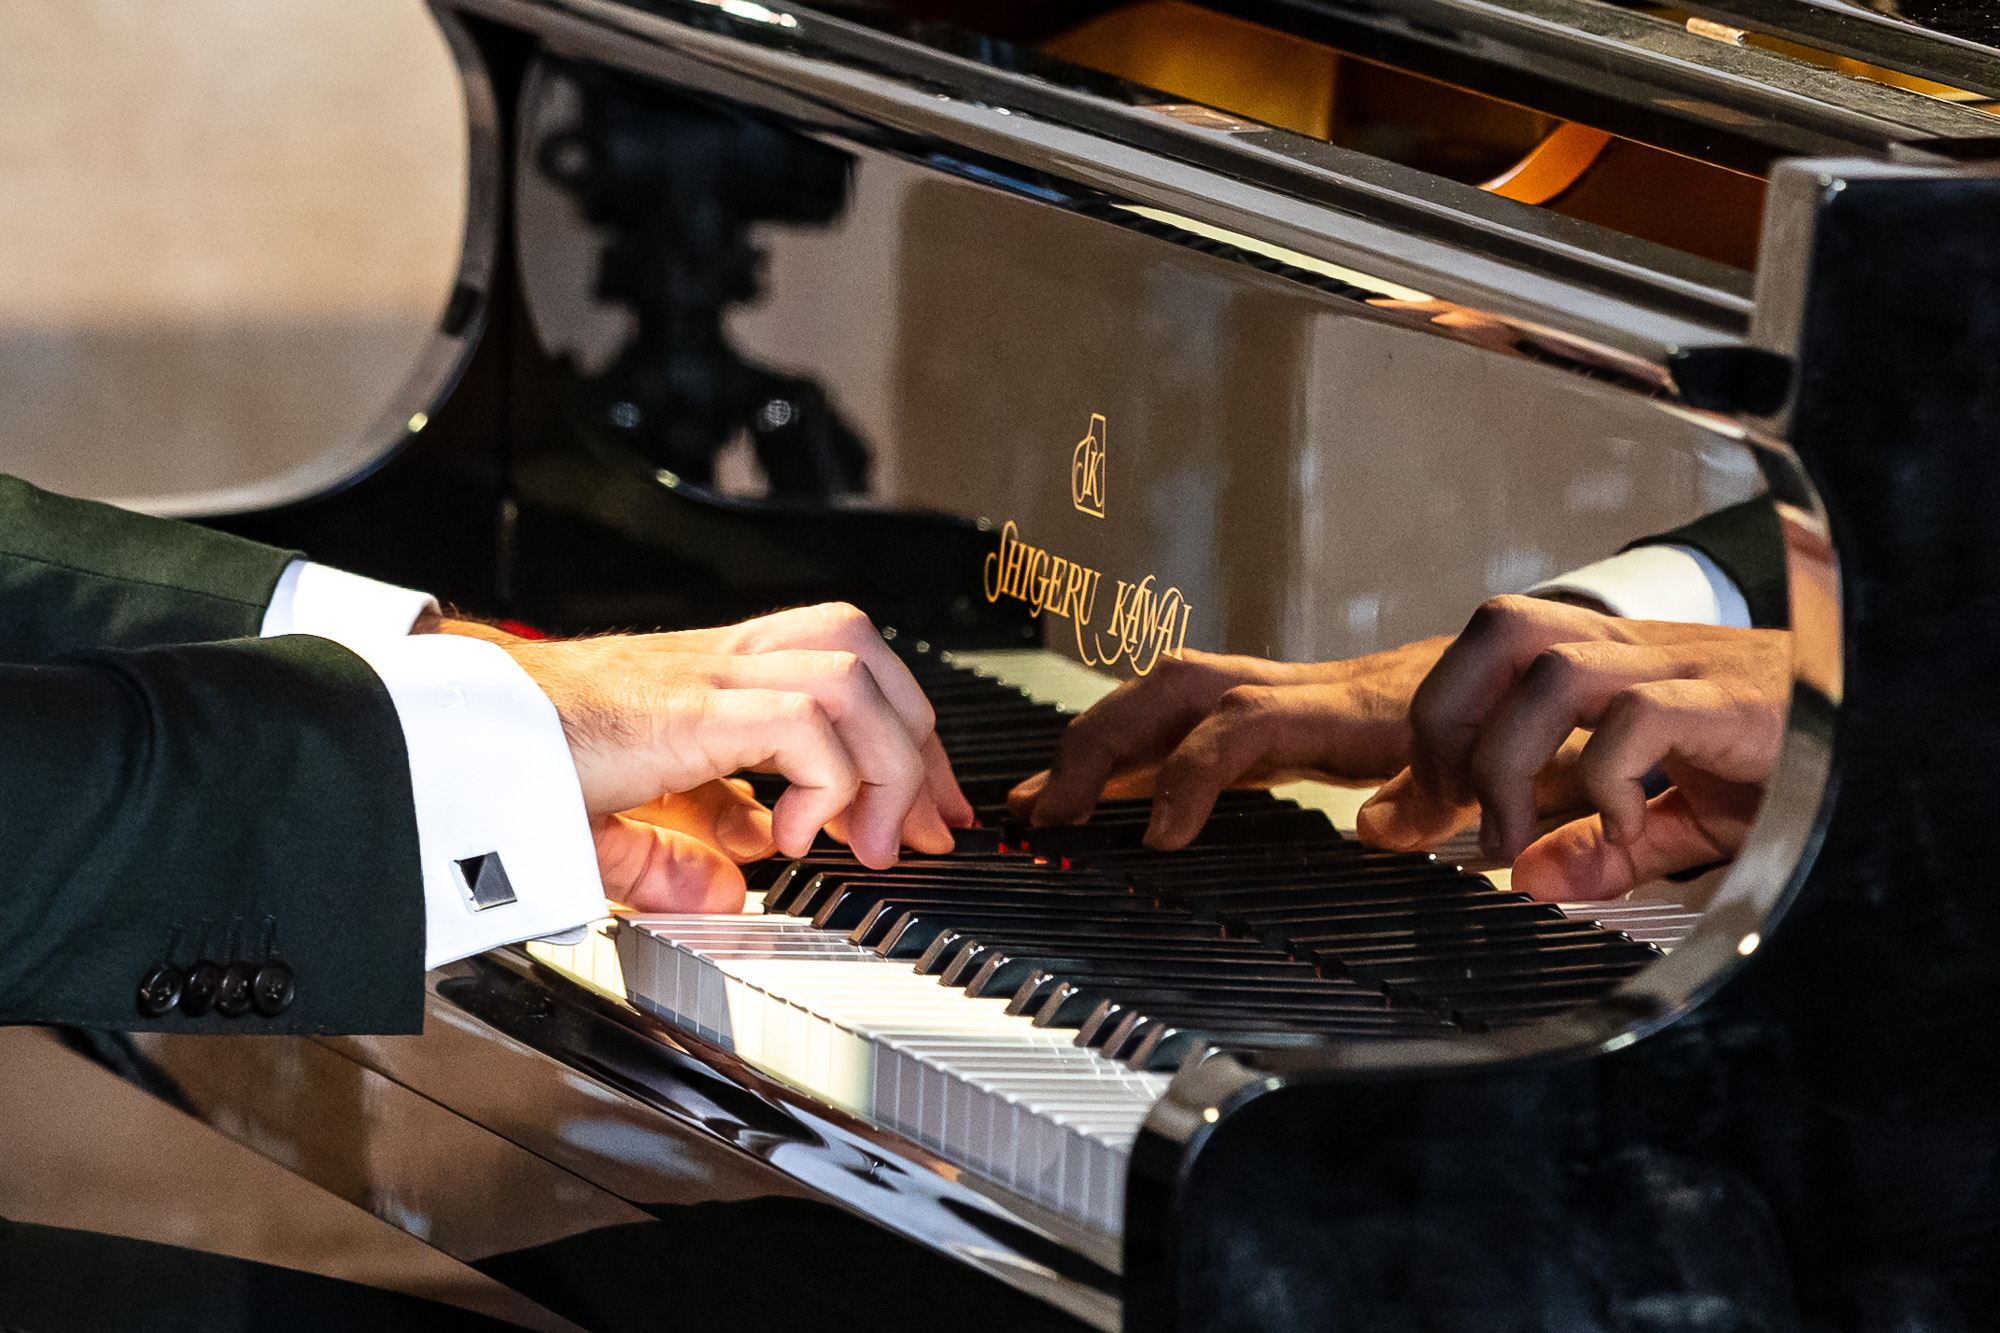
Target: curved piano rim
<point>878,1173</point>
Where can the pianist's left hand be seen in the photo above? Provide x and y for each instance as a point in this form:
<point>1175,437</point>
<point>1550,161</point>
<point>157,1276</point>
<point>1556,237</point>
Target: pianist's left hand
<point>658,721</point>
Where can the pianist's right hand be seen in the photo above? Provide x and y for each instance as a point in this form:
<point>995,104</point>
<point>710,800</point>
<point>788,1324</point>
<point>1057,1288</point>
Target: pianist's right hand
<point>657,722</point>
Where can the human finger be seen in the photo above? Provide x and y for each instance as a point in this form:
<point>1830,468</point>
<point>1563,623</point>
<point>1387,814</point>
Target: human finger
<point>1566,686</point>
<point>722,813</point>
<point>946,794</point>
<point>832,627</point>
<point>1696,725</point>
<point>1134,726</point>
<point>788,733</point>
<point>1404,815</point>
<point>1451,706</point>
<point>1255,734</point>
<point>892,774</point>
<point>656,869</point>
<point>1578,863</point>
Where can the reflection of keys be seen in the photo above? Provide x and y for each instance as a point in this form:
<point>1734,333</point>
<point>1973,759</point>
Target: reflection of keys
<point>1020,1104</point>
<point>1664,924</point>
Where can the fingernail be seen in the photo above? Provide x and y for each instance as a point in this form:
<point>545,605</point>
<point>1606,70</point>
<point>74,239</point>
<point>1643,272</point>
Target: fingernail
<point>745,832</point>
<point>1378,817</point>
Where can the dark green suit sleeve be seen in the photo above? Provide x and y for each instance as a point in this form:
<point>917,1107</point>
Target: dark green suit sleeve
<point>1746,543</point>
<point>161,792</point>
<point>76,574</point>
<point>208,790</point>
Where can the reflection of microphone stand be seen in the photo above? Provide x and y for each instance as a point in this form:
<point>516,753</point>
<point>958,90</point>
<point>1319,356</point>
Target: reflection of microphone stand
<point>678,184</point>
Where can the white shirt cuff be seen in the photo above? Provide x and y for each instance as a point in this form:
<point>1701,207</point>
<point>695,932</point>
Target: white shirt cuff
<point>501,829</point>
<point>337,605</point>
<point>1657,583</point>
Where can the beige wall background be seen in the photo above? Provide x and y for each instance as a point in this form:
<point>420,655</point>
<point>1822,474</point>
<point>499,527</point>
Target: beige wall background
<point>227,228</point>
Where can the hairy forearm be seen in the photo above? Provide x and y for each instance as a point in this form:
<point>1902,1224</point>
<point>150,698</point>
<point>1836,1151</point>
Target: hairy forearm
<point>457,622</point>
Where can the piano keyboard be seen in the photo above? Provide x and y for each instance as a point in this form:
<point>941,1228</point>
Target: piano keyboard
<point>1018,1006</point>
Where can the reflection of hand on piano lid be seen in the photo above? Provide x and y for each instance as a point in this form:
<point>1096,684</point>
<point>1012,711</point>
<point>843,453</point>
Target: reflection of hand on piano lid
<point>656,722</point>
<point>1487,722</point>
<point>1198,724</point>
<point>1492,728</point>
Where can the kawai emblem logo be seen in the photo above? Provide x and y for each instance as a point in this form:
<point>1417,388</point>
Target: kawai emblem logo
<point>1086,470</point>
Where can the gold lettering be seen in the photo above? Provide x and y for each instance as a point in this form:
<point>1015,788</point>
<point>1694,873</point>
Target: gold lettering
<point>1161,614</point>
<point>1017,570</point>
<point>1070,587</point>
<point>994,580</point>
<point>1115,627</point>
<point>1146,623</point>
<point>1048,585</point>
<point>1136,617</point>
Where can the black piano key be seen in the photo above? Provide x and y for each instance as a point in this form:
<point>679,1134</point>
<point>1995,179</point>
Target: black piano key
<point>1223,885</point>
<point>961,949</point>
<point>1442,941</point>
<point>1220,862</point>
<point>1103,1013</point>
<point>826,887</point>
<point>805,890</point>
<point>1341,903</point>
<point>1119,1036</point>
<point>907,935</point>
<point>1466,966</point>
<point>1523,990</point>
<point>792,876</point>
<point>759,876</point>
<point>1071,840</point>
<point>1067,1002</point>
<point>1139,811</point>
<point>1510,990</point>
<point>847,907</point>
<point>1221,882</point>
<point>997,969</point>
<point>966,840</point>
<point>1112,975</point>
<point>1162,1045</point>
<point>1320,924</point>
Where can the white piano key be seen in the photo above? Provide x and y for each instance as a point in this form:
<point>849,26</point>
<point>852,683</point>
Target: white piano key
<point>987,1090</point>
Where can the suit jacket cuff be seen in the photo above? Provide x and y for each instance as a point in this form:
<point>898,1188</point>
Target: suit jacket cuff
<point>501,828</point>
<point>1657,583</point>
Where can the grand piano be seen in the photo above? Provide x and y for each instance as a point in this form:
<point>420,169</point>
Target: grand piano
<point>1062,337</point>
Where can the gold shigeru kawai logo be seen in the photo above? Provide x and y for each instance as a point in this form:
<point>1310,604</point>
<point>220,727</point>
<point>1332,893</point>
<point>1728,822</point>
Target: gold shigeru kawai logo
<point>1147,622</point>
<point>1086,470</point>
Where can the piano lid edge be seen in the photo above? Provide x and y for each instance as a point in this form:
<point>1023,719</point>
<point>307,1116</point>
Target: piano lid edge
<point>1483,252</point>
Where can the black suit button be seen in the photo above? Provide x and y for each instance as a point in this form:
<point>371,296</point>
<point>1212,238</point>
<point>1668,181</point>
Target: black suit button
<point>232,997</point>
<point>204,982</point>
<point>160,989</point>
<point>273,988</point>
